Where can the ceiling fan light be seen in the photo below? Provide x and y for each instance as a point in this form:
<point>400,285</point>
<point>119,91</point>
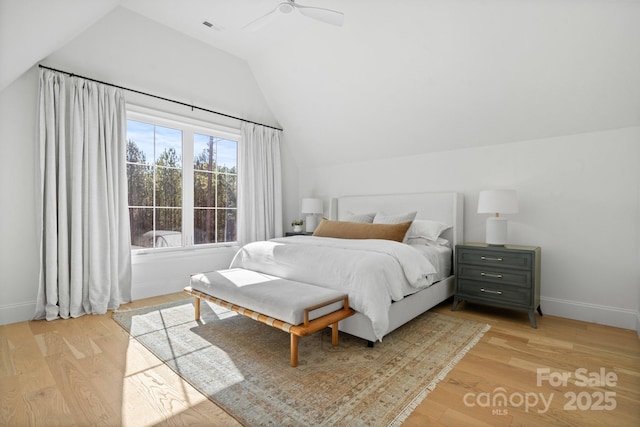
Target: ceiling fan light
<point>285,7</point>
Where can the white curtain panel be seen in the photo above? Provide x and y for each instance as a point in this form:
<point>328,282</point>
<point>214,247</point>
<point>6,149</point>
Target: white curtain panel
<point>85,250</point>
<point>259,184</point>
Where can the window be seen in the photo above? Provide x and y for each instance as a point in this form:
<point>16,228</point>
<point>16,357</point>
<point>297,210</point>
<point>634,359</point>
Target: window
<point>183,181</point>
<point>215,185</point>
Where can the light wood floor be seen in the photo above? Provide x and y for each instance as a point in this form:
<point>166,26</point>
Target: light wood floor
<point>88,371</point>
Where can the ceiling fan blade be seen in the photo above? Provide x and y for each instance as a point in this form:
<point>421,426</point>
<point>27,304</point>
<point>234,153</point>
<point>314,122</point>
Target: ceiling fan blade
<point>261,21</point>
<point>327,16</point>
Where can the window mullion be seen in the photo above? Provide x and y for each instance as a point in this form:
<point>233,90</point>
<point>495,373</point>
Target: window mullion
<point>187,187</point>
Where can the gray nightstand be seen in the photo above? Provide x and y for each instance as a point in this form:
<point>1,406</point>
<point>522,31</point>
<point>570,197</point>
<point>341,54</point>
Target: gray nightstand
<point>503,276</point>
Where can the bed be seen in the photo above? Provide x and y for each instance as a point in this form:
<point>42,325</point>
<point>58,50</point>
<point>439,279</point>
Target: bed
<point>445,207</point>
<point>388,283</point>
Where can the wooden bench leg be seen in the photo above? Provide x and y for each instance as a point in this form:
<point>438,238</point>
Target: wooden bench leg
<point>196,303</point>
<point>294,350</point>
<point>334,334</point>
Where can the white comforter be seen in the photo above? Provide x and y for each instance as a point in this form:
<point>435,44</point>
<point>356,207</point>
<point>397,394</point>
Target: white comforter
<point>371,272</point>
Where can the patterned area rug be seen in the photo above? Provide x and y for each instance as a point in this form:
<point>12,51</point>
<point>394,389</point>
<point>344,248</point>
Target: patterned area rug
<point>243,365</point>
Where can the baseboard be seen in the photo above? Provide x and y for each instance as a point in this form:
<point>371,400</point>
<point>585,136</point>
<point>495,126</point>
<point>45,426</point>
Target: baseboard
<point>14,313</point>
<point>594,313</point>
<point>154,289</point>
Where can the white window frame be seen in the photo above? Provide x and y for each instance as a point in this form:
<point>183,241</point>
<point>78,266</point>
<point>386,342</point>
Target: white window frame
<point>189,126</point>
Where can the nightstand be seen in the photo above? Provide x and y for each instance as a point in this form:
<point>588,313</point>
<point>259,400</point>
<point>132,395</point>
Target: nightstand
<point>294,233</point>
<point>502,276</point>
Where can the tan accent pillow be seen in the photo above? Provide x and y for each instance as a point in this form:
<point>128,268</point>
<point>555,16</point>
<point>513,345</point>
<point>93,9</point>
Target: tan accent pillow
<point>360,230</point>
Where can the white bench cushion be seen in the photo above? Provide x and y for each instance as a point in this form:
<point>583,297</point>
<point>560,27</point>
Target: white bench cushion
<point>273,296</point>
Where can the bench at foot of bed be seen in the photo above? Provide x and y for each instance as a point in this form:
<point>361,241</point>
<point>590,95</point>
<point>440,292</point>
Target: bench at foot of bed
<point>299,309</point>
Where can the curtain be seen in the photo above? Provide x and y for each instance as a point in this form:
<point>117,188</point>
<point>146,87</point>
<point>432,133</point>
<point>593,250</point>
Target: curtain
<point>259,184</point>
<point>83,221</point>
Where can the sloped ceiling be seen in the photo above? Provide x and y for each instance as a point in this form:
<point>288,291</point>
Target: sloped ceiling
<point>404,77</point>
<point>32,29</point>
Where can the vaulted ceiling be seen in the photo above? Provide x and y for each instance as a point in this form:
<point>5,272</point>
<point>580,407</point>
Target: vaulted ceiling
<point>400,77</point>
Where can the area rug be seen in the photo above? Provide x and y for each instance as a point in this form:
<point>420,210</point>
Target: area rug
<point>243,365</point>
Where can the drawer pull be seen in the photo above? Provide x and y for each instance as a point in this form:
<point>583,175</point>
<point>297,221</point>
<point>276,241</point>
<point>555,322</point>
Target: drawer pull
<point>496,276</point>
<point>488,258</point>
<point>490,291</point>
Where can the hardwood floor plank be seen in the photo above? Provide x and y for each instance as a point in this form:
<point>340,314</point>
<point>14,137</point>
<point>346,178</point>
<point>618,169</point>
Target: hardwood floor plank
<point>7,368</point>
<point>47,407</point>
<point>13,411</point>
<point>105,378</point>
<point>85,401</point>
<point>454,417</point>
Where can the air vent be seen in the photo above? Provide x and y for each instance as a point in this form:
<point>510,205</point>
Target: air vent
<point>207,24</point>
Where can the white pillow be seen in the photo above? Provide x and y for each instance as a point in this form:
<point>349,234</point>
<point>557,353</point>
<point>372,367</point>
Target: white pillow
<point>421,241</point>
<point>365,217</point>
<point>380,218</point>
<point>427,229</point>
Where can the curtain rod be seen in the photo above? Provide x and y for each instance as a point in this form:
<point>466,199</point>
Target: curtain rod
<point>158,97</point>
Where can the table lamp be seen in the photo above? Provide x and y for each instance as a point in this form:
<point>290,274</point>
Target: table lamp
<point>497,202</point>
<point>311,207</point>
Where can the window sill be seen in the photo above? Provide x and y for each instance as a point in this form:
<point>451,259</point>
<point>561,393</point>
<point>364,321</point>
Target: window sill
<point>141,256</point>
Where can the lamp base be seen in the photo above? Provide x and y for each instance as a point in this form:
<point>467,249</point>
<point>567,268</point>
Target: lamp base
<point>496,231</point>
<point>311,223</point>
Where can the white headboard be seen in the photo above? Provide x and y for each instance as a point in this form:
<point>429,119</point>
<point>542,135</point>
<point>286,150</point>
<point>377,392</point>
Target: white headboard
<point>443,207</point>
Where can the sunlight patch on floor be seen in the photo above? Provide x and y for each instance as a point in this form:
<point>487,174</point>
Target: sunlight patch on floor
<point>153,393</point>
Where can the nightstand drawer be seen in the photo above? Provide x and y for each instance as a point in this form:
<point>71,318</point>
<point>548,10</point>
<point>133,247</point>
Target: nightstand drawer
<point>495,258</point>
<point>494,275</point>
<point>494,292</point>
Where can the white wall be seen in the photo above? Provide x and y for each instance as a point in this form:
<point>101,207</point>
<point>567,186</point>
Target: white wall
<point>578,200</point>
<point>18,250</point>
<point>638,259</point>
<point>130,51</point>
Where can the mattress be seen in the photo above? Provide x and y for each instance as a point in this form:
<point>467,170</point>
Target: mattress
<point>441,258</point>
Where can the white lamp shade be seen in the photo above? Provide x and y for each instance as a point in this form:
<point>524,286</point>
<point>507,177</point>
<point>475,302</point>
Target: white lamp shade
<point>312,206</point>
<point>498,202</point>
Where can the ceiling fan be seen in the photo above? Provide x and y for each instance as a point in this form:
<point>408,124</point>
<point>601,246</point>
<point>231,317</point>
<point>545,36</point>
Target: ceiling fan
<point>327,16</point>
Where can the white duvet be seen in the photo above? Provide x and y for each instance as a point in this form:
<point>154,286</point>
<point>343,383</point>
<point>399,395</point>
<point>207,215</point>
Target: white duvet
<point>372,272</point>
